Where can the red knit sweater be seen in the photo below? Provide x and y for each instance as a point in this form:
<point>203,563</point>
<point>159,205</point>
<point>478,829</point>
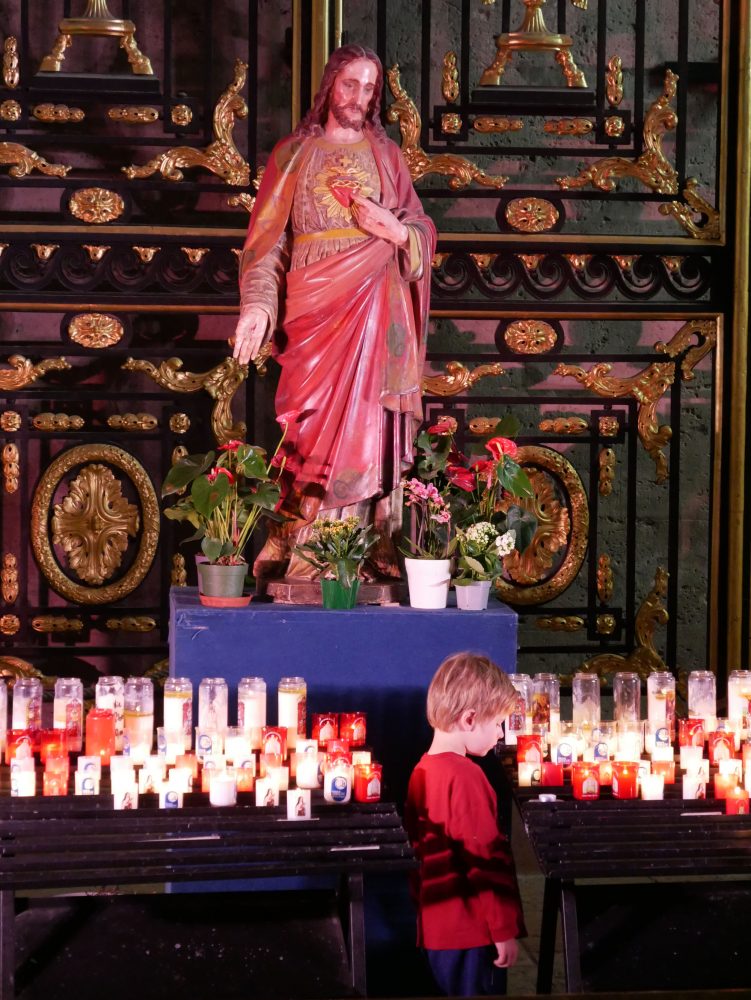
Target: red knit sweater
<point>465,888</point>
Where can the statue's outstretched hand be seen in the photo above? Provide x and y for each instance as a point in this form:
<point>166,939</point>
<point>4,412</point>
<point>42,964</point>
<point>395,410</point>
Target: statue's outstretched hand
<point>250,333</point>
<point>378,221</point>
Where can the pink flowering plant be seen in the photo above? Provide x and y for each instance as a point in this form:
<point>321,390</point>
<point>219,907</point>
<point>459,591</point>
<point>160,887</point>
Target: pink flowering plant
<point>431,517</point>
<point>230,491</point>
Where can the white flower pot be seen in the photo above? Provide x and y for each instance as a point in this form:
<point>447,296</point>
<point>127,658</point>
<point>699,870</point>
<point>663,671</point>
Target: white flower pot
<point>473,596</point>
<point>428,581</point>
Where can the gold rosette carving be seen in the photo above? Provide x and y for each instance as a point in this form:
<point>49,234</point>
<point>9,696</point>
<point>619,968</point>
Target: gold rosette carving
<point>652,167</point>
<point>221,157</point>
<point>564,425</point>
<point>11,468</point>
<point>553,558</point>
<point>95,330</point>
<point>95,523</point>
<point>460,171</point>
<point>9,625</point>
<point>10,421</point>
<point>458,378</point>
<point>23,372</point>
<point>531,215</point>
<point>10,111</point>
<point>608,426</point>
<point>181,115</point>
<point>614,126</point>
<point>604,579</point>
<point>9,578</point>
<point>96,205</point>
<point>22,161</point>
<point>605,624</point>
<point>530,336</point>
<point>451,123</point>
<point>647,387</point>
<point>179,423</point>
<point>221,383</point>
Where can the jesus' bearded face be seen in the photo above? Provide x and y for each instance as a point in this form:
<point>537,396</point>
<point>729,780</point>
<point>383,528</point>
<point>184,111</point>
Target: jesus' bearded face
<point>352,93</point>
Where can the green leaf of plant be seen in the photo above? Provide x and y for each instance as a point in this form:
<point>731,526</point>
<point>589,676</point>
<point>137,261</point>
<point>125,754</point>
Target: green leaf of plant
<point>253,462</point>
<point>524,523</point>
<point>185,471</point>
<point>211,548</point>
<point>207,496</point>
<point>474,565</point>
<point>514,479</point>
<point>266,496</point>
<point>507,427</point>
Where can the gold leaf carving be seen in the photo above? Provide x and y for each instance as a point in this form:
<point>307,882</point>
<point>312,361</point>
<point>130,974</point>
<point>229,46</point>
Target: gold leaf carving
<point>652,167</point>
<point>625,261</point>
<point>644,659</point>
<point>608,426</point>
<point>614,126</point>
<point>96,205</point>
<point>614,81</point>
<point>531,260</point>
<point>181,115</point>
<point>569,126</point>
<point>23,372</point>
<point>56,623</point>
<point>179,423</point>
<point>14,666</point>
<point>530,336</point>
<point>564,425</point>
<point>604,579</point>
<point>647,387</point>
<point>244,200</point>
<point>705,331</point>
<point>559,529</point>
<point>11,76</point>
<point>57,113</point>
<point>178,452</point>
<point>221,383</point>
<point>131,623</point>
<point>531,215</point>
<point>497,124</point>
<point>450,78</point>
<point>561,623</point>
<point>459,378</point>
<point>605,624</point>
<point>483,260</point>
<point>482,425</point>
<point>146,254</point>
<point>195,254</point>
<point>10,421</point>
<point>606,461</point>
<point>57,422</point>
<point>138,115</point>
<point>93,524</point>
<point>459,170</point>
<point>179,572</point>
<point>95,330</point>
<point>97,522</point>
<point>437,261</point>
<point>22,161</point>
<point>132,421</point>
<point>11,468</point>
<point>221,157</point>
<point>578,261</point>
<point>9,625</point>
<point>10,111</point>
<point>451,123</point>
<point>9,578</point>
<point>44,251</point>
<point>96,253</point>
<point>694,204</point>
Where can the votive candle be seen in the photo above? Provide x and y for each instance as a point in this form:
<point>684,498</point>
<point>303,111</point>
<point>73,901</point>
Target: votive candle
<point>736,802</point>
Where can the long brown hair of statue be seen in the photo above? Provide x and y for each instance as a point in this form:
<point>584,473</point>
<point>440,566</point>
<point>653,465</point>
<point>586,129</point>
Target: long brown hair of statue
<point>315,119</point>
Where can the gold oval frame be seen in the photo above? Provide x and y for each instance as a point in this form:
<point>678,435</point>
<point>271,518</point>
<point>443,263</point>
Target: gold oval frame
<point>554,463</point>
<point>40,538</point>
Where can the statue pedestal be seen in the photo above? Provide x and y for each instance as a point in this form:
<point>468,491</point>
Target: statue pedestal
<point>377,660</point>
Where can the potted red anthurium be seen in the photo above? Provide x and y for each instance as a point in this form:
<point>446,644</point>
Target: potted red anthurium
<point>476,490</point>
<point>224,494</point>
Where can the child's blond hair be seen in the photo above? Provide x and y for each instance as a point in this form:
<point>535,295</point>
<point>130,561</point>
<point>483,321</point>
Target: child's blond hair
<point>468,681</point>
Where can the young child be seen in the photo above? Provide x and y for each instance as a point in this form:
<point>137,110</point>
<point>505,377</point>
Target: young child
<point>468,909</point>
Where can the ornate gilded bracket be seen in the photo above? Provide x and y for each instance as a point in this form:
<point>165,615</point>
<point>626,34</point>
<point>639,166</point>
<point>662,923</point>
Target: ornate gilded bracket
<point>221,157</point>
<point>450,79</point>
<point>460,171</point>
<point>706,332</point>
<point>614,81</point>
<point>645,659</point>
<point>684,211</point>
<point>23,372</point>
<point>23,161</point>
<point>459,378</point>
<point>652,167</point>
<point>647,387</point>
<point>221,383</point>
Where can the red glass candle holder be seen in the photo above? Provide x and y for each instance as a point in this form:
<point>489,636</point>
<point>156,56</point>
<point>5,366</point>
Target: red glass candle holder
<point>245,778</point>
<point>552,774</point>
<point>606,772</point>
<point>736,802</point>
<point>52,740</point>
<point>724,784</point>
<point>54,783</point>
<point>57,762</point>
<point>367,786</point>
<point>100,734</point>
<point>188,761</point>
<point>585,779</point>
<point>324,727</point>
<point>19,743</point>
<point>721,745</point>
<point>529,748</point>
<point>274,740</point>
<point>666,768</point>
<point>268,760</point>
<point>625,774</point>
<point>353,728</point>
<point>338,749</point>
<point>691,732</point>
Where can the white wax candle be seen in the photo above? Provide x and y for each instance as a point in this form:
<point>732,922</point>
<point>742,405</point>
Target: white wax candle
<point>23,784</point>
<point>170,797</point>
<point>209,742</point>
<point>663,753</point>
<point>280,776</point>
<point>694,787</point>
<point>126,797</point>
<point>731,766</point>
<point>223,789</point>
<point>90,765</point>
<point>337,784</point>
<point>298,803</point>
<point>237,747</point>
<point>699,769</point>
<point>690,755</point>
<point>653,786</point>
<point>180,778</point>
<point>121,765</point>
<point>308,771</point>
<point>360,757</point>
<point>19,764</point>
<point>529,774</point>
<point>267,793</point>
<point>86,783</point>
<point>149,782</point>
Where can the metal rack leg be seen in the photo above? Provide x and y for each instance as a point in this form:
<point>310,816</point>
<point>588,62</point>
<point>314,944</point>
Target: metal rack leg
<point>354,888</point>
<point>548,924</point>
<point>7,944</point>
<point>570,930</point>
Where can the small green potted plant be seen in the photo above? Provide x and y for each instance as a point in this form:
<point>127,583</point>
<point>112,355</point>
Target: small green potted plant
<point>224,496</point>
<point>337,548</point>
<point>479,549</point>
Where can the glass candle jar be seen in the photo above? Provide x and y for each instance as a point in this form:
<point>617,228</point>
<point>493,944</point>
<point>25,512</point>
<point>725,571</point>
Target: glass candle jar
<point>109,693</point>
<point>691,732</point>
<point>67,710</point>
<point>100,734</point>
<point>27,703</point>
<point>739,695</point>
<point>520,713</point>
<point>546,701</point>
<point>661,699</point>
<point>213,704</point>
<point>139,717</point>
<point>702,697</point>
<point>337,781</point>
<point>324,727</point>
<point>178,708</point>
<point>624,779</point>
<point>626,697</point>
<point>529,748</point>
<point>367,786</point>
<point>292,699</point>
<point>353,728</point>
<point>585,780</point>
<point>251,707</point>
<point>585,694</point>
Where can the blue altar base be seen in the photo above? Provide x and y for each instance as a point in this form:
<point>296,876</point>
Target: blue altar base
<point>372,659</point>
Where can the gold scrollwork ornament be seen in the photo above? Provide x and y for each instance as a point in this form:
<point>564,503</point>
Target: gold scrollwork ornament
<point>460,171</point>
<point>531,215</point>
<point>22,161</point>
<point>23,372</point>
<point>568,126</point>
<point>11,75</point>
<point>96,253</point>
<point>146,254</point>
<point>56,623</point>
<point>604,578</point>
<point>11,468</point>
<point>458,378</point>
<point>138,115</point>
<point>450,79</point>
<point>684,211</point>
<point>706,332</point>
<point>530,336</point>
<point>97,22</point>
<point>221,157</point>
<point>614,81</point>
<point>564,425</point>
<point>94,523</point>
<point>131,623</point>
<point>132,421</point>
<point>195,254</point>
<point>45,251</point>
<point>95,330</point>
<point>9,578</point>
<point>606,460</point>
<point>561,623</point>
<point>10,421</point>
<point>496,124</point>
<point>57,422</point>
<point>96,205</point>
<point>58,113</point>
<point>531,261</point>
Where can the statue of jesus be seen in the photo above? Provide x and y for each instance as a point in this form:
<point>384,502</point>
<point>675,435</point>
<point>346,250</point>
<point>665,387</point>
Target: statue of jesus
<point>336,268</point>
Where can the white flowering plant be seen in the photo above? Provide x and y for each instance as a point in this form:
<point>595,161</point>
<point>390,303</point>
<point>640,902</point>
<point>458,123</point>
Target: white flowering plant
<point>480,549</point>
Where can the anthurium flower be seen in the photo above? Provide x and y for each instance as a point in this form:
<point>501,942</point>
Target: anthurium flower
<point>465,479</point>
<point>217,470</point>
<point>445,425</point>
<point>500,446</point>
<point>288,417</point>
<point>231,445</point>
